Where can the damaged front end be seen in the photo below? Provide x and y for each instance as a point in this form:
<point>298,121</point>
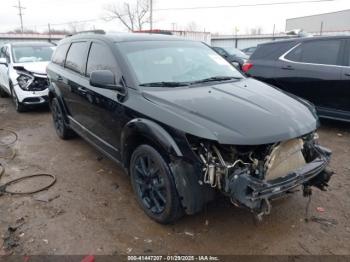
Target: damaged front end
<point>30,81</point>
<point>251,176</point>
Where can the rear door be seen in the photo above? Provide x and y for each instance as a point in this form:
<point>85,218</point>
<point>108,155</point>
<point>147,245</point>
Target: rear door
<point>312,70</point>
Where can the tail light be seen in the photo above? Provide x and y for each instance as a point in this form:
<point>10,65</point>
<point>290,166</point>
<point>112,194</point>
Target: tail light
<point>246,67</point>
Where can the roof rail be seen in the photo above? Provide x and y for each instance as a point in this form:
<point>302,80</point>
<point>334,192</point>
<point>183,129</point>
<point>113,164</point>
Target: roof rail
<point>98,31</point>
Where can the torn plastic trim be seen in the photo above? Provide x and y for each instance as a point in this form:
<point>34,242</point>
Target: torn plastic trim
<point>251,192</point>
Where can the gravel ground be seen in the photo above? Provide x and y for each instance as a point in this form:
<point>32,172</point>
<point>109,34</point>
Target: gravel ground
<point>92,209</point>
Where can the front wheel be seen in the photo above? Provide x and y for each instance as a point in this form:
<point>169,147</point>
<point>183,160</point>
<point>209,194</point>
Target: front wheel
<point>154,185</point>
<point>20,108</point>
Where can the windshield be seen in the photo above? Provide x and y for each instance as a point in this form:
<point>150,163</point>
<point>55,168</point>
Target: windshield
<point>235,52</point>
<point>24,54</point>
<point>175,61</point>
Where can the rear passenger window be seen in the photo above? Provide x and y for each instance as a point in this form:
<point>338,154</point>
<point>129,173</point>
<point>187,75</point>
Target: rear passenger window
<point>60,54</point>
<point>321,52</point>
<point>76,57</point>
<point>100,58</point>
<point>324,52</point>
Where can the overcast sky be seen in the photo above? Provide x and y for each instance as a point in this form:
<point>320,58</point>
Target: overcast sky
<point>39,13</point>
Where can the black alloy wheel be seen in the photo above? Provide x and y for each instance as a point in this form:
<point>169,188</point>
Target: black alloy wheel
<point>154,185</point>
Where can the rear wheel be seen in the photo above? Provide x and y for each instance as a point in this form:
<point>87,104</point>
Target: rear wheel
<point>154,185</point>
<point>20,108</point>
<point>62,130</point>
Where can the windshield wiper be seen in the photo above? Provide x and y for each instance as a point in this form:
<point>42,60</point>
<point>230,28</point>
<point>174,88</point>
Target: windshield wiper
<point>215,78</point>
<point>165,84</point>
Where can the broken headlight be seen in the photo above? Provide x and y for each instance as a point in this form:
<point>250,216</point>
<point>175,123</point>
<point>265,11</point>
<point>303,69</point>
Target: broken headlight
<point>24,81</point>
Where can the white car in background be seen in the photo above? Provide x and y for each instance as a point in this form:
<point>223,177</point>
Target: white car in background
<point>23,72</point>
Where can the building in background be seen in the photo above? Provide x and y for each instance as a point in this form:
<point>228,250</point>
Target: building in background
<point>328,23</point>
<point>191,35</point>
<point>13,37</point>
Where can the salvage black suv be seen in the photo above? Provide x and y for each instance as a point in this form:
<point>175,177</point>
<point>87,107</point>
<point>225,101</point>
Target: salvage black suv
<point>184,123</point>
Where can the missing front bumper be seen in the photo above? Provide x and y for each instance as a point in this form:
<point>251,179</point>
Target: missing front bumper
<point>255,194</point>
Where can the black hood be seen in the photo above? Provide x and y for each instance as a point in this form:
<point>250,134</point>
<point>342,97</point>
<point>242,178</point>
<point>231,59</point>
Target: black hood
<point>246,112</point>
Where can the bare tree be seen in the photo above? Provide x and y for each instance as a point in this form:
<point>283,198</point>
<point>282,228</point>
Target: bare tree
<point>132,16</point>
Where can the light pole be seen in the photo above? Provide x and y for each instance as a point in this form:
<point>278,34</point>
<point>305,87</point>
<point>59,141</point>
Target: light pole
<point>20,7</point>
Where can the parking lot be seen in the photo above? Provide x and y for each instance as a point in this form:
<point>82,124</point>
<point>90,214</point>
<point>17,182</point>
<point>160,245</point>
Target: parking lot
<point>92,209</point>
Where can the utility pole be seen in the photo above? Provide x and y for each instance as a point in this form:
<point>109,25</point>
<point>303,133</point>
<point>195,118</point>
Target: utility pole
<point>174,26</point>
<point>273,31</point>
<point>49,27</point>
<point>151,14</point>
<point>20,7</point>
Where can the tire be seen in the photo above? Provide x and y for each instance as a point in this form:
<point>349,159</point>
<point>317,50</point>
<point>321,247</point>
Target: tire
<point>154,185</point>
<point>20,108</point>
<point>61,128</point>
<point>3,93</point>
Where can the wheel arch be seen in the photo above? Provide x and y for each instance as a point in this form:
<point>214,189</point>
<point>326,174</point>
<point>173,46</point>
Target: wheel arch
<point>143,131</point>
<point>193,195</point>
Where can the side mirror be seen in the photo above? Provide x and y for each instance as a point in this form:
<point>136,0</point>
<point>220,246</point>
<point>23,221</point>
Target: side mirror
<point>3,61</point>
<point>105,79</point>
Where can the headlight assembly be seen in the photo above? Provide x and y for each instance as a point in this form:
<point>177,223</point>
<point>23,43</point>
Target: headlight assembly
<point>24,81</point>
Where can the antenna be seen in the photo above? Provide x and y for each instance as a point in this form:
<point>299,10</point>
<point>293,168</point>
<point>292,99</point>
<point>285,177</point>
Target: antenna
<point>20,7</point>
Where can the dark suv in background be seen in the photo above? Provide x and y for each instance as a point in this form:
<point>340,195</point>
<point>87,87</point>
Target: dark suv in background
<point>314,68</point>
<point>233,55</point>
<point>184,123</point>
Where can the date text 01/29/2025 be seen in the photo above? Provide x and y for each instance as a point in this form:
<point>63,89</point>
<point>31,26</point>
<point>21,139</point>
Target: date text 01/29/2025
<point>174,258</point>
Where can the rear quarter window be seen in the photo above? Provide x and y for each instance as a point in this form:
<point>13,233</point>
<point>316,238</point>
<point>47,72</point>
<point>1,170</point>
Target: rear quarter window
<point>271,51</point>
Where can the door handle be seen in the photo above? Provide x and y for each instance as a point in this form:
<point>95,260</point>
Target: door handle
<point>288,67</point>
<point>82,90</point>
<point>347,74</point>
<point>59,78</point>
